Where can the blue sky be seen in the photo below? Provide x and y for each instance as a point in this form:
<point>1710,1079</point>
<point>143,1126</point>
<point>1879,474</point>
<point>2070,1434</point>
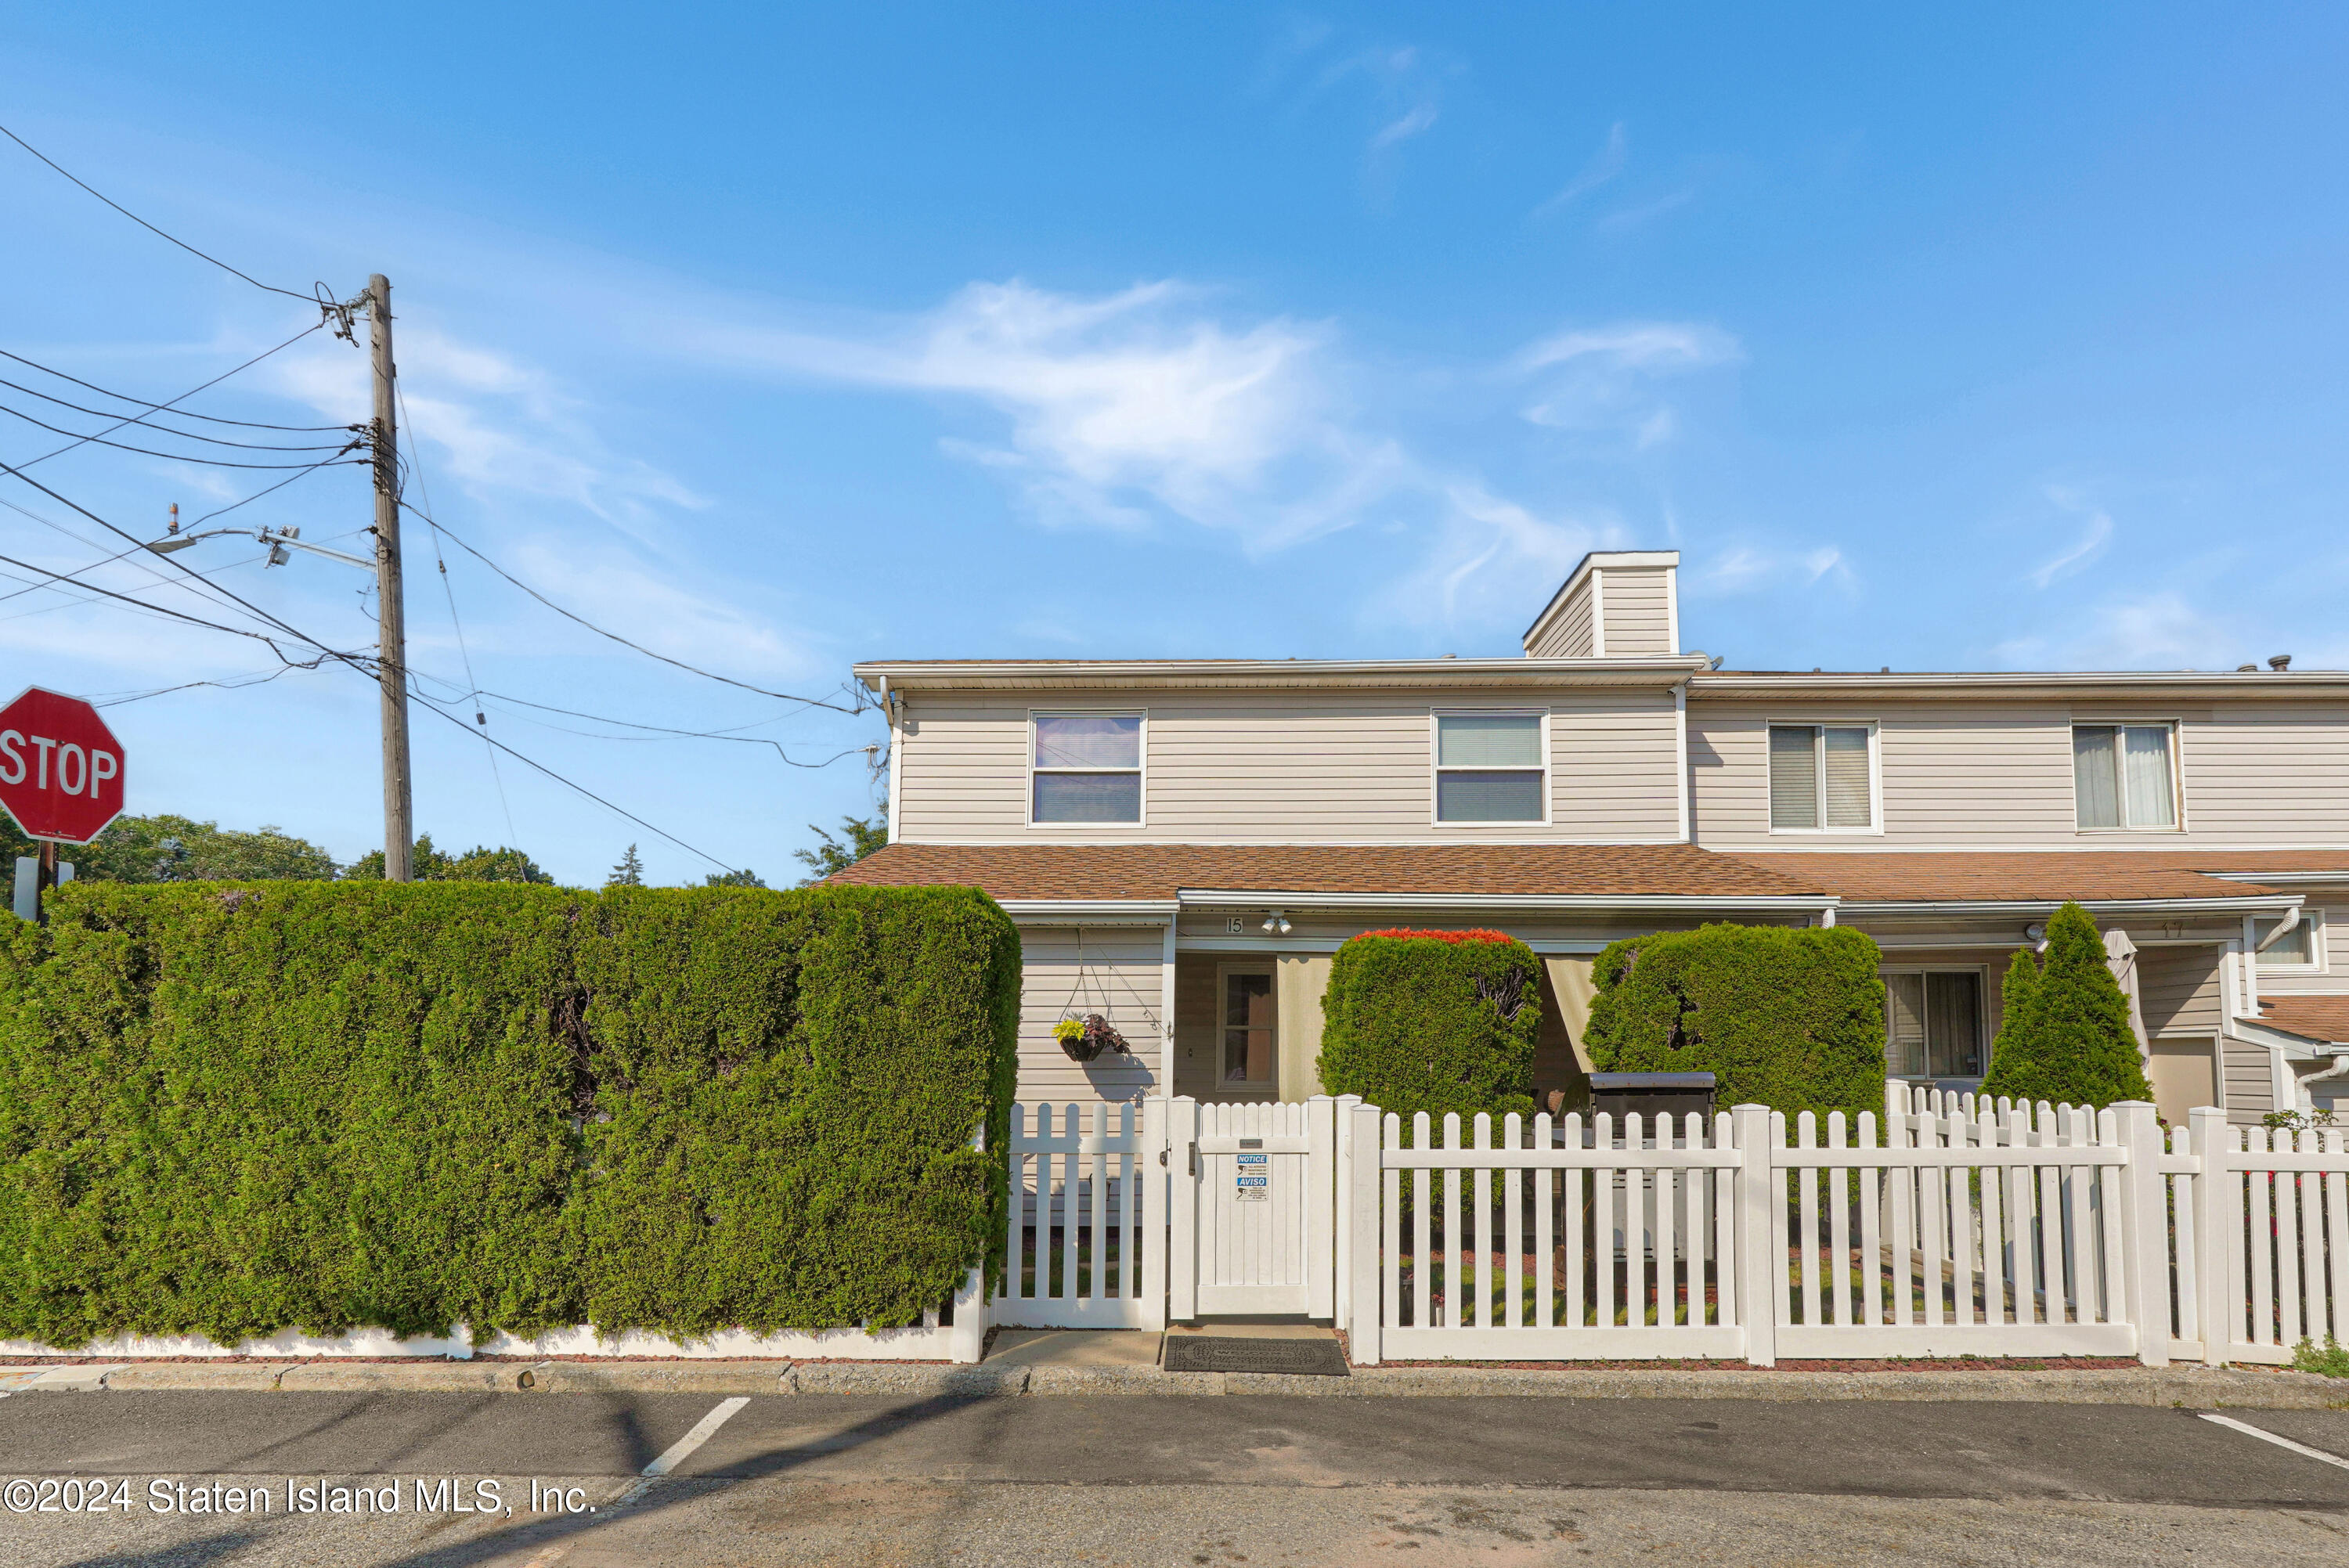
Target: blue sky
<point>775,338</point>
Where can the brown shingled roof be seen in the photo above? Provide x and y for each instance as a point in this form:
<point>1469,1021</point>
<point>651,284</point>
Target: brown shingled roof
<point>2325,1019</point>
<point>2044,877</point>
<point>1159,870</point>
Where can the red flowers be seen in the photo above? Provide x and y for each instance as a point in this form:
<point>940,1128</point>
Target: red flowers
<point>1478,935</point>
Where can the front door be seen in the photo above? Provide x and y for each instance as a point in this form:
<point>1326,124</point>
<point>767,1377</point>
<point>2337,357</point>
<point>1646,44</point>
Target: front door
<point>1257,1220</point>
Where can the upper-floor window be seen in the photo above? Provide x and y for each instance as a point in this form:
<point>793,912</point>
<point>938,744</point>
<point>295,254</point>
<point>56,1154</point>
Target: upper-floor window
<point>2124,775</point>
<point>1822,778</point>
<point>1087,767</point>
<point>1933,1022</point>
<point>2302,947</point>
<point>1491,768</point>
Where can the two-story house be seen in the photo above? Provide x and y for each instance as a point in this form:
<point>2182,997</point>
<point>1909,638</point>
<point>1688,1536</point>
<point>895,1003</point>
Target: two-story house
<point>1186,843</point>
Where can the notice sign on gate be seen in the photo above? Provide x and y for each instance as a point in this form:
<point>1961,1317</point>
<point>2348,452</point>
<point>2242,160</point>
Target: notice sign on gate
<point>1254,1179</point>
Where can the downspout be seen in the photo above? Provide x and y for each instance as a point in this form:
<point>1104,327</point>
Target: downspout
<point>2340,1068</point>
<point>2284,927</point>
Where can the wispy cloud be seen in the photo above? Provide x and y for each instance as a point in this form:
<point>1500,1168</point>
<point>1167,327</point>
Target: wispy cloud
<point>1486,549</point>
<point>1121,407</point>
<point>2160,630</point>
<point>1402,128</point>
<point>1604,165</point>
<point>493,424</point>
<point>1602,382</point>
<point>1624,219</point>
<point>1752,568</point>
<point>2093,536</point>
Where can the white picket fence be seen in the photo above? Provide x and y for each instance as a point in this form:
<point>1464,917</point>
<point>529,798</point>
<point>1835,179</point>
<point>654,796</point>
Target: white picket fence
<point>1948,1225</point>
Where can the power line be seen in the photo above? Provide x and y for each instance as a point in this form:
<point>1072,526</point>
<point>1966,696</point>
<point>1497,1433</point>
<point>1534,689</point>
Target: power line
<point>166,429</point>
<point>281,484</point>
<point>615,636</point>
<point>158,577</point>
<point>183,397</point>
<point>81,439</point>
<point>434,707</point>
<point>256,282</point>
<point>190,413</point>
<point>175,615</point>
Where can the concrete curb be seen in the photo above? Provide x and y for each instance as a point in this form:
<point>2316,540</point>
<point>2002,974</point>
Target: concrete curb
<point>2192,1387</point>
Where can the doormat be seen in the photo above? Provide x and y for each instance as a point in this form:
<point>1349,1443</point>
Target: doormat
<point>1215,1353</point>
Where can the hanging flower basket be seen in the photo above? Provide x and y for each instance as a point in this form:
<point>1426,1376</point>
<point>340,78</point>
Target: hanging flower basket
<point>1083,1038</point>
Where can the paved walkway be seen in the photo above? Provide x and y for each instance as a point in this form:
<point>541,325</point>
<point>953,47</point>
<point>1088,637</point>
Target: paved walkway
<point>812,1479</point>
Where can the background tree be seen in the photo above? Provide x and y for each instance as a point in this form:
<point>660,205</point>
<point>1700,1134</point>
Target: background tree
<point>169,847</point>
<point>746,877</point>
<point>629,872</point>
<point>2071,1043</point>
<point>480,863</point>
<point>833,854</point>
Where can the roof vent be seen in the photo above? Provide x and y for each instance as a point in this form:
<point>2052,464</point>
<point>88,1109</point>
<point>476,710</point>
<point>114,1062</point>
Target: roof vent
<point>2280,662</point>
<point>2247,669</point>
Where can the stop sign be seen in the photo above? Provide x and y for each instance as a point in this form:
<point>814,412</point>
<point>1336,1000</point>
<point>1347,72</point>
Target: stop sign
<point>61,767</point>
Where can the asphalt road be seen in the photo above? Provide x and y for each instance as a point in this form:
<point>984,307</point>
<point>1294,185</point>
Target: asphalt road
<point>558,1478</point>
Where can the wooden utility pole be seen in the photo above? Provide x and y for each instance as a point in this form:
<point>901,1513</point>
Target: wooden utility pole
<point>391,648</point>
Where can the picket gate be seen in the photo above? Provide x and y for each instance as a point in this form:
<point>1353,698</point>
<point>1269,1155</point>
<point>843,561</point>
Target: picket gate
<point>2273,1214</point>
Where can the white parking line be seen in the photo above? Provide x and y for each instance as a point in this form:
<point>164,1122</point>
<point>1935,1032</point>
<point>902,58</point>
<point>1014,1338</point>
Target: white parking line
<point>682,1449</point>
<point>2280,1443</point>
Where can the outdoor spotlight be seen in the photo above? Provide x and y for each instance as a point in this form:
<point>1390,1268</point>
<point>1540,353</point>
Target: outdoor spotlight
<point>1275,923</point>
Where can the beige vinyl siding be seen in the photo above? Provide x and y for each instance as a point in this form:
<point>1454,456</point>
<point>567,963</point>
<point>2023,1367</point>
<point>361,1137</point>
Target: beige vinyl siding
<point>1635,606</point>
<point>1968,775</point>
<point>1122,968</point>
<point>2179,990</point>
<point>1278,768</point>
<point>2251,1082</point>
<point>2269,774</point>
<point>2333,980</point>
<point>1568,634</point>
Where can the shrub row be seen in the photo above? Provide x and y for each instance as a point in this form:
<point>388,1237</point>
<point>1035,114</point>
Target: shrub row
<point>230,1110</point>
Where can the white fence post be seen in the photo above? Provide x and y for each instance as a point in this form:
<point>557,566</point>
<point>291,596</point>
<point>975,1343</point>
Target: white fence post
<point>1761,1252</point>
<point>1320,1207</point>
<point>1183,1210</point>
<point>1363,1299</point>
<point>2145,1229</point>
<point>2218,1234</point>
<point>1341,1303</point>
<point>1152,1181</point>
<point>967,1342</point>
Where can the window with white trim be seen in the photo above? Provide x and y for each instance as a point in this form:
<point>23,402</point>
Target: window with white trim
<point>1086,767</point>
<point>2124,777</point>
<point>1933,1024</point>
<point>1822,778</point>
<point>1491,768</point>
<point>2302,947</point>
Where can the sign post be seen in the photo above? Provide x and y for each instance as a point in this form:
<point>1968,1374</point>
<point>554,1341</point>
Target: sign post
<point>61,774</point>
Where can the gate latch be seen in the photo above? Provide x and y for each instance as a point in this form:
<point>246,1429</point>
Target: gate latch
<point>1194,1159</point>
<point>1251,1143</point>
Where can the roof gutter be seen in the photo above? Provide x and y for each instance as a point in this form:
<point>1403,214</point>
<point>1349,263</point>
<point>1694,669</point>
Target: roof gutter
<point>1683,904</point>
<point>1855,908</point>
<point>1090,911</point>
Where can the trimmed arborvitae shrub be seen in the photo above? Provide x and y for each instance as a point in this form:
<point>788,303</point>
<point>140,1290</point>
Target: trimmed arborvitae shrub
<point>2015,992</point>
<point>1433,1020</point>
<point>2070,1043</point>
<point>232,1109</point>
<point>1792,1019</point>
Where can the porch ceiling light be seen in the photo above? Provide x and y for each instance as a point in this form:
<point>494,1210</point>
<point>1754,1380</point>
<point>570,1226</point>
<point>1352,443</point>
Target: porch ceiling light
<point>1275,923</point>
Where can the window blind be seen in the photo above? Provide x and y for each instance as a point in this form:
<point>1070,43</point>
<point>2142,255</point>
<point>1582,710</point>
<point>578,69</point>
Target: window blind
<point>2095,777</point>
<point>1794,776</point>
<point>1846,756</point>
<point>2151,803</point>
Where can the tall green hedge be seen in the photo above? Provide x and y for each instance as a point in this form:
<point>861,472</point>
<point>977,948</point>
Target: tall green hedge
<point>1432,1021</point>
<point>230,1110</point>
<point>1792,1019</point>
